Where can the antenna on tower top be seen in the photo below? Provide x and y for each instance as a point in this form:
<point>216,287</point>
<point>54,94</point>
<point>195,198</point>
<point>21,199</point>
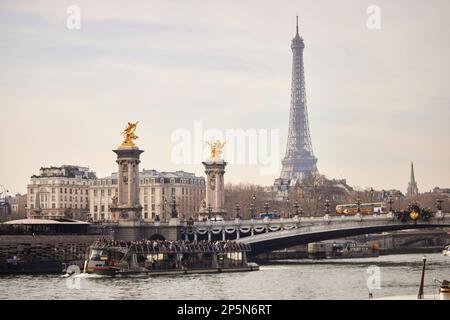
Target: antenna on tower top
<point>297,22</point>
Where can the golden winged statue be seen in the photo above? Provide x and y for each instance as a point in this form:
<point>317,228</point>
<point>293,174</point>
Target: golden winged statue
<point>129,135</point>
<point>216,149</point>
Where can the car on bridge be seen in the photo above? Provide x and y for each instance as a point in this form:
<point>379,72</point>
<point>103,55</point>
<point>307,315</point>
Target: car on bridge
<point>269,215</point>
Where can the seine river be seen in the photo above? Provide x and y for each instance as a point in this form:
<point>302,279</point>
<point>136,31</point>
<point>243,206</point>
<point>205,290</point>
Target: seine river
<point>295,279</point>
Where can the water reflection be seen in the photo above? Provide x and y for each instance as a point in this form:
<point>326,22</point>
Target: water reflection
<point>295,279</point>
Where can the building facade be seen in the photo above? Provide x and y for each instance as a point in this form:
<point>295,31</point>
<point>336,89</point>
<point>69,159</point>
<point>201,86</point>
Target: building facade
<point>156,193</point>
<point>59,192</point>
<point>442,191</point>
<point>19,206</point>
<point>5,210</point>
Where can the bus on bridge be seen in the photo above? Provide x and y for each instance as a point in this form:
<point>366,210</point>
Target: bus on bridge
<point>365,208</point>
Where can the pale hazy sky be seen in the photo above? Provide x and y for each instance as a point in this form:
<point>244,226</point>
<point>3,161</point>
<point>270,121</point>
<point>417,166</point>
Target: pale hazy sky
<point>377,99</point>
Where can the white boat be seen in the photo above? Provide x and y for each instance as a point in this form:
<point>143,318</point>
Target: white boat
<point>444,290</point>
<point>446,251</point>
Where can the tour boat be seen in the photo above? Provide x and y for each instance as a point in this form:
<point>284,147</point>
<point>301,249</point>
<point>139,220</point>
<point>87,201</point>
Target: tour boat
<point>167,257</point>
<point>341,250</point>
<point>446,251</point>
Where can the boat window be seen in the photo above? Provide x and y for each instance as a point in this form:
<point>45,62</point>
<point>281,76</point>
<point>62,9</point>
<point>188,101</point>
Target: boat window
<point>98,255</point>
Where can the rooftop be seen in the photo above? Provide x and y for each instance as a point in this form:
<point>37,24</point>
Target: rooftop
<point>45,222</point>
<point>156,174</point>
<point>65,171</point>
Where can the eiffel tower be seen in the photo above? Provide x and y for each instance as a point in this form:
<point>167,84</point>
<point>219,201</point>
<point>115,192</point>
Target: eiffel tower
<point>299,159</point>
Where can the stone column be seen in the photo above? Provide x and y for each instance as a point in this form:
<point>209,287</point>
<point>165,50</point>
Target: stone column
<point>215,188</point>
<point>127,206</point>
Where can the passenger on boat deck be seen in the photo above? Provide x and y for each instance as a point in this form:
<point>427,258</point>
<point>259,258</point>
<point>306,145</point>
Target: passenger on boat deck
<point>174,245</point>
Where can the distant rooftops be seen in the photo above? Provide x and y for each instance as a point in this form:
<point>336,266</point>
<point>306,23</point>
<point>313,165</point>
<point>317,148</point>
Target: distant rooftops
<point>66,171</point>
<point>156,174</point>
<point>153,176</point>
<point>45,222</point>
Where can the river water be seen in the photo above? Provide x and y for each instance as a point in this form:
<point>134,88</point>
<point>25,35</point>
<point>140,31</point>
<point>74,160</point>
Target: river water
<point>294,279</point>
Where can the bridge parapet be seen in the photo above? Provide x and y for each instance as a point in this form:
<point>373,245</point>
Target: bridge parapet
<point>252,228</point>
<point>257,227</point>
<point>337,229</point>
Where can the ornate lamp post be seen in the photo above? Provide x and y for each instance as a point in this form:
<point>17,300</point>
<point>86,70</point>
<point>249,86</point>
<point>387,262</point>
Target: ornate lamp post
<point>327,206</point>
<point>439,205</point>
<point>296,207</point>
<point>252,206</point>
<point>4,203</point>
<point>209,211</point>
<point>174,208</point>
<point>237,208</point>
<point>266,208</point>
<point>203,210</point>
<point>5,192</point>
<point>190,225</point>
<point>288,212</point>
<point>275,213</point>
<point>358,204</point>
<point>390,201</point>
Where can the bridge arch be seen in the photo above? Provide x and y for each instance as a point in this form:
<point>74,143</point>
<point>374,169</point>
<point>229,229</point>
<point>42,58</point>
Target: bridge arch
<point>285,239</point>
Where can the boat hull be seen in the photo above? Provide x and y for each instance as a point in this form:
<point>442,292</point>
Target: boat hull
<point>116,271</point>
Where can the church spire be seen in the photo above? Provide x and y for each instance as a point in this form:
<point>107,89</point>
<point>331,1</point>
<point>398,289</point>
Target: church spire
<point>412,185</point>
<point>413,179</point>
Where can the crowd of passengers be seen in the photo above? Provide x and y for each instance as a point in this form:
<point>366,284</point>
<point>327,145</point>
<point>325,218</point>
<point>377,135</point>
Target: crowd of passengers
<point>174,245</point>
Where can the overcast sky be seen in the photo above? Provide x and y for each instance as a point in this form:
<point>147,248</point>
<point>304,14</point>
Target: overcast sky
<point>377,99</point>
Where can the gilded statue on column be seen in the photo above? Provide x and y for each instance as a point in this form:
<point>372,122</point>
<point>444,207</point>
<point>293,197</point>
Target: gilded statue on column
<point>216,149</point>
<point>129,134</point>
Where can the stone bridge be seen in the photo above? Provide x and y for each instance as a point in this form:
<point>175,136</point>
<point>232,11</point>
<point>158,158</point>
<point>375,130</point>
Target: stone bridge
<point>312,230</point>
<point>265,235</point>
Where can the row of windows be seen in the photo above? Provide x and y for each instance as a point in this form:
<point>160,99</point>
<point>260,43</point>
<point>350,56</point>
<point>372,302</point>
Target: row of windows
<point>57,182</point>
<point>102,192</point>
<point>103,208</point>
<point>62,206</point>
<point>64,190</point>
<point>184,191</point>
<point>145,200</point>
<point>197,182</point>
<point>62,198</point>
<point>109,191</point>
